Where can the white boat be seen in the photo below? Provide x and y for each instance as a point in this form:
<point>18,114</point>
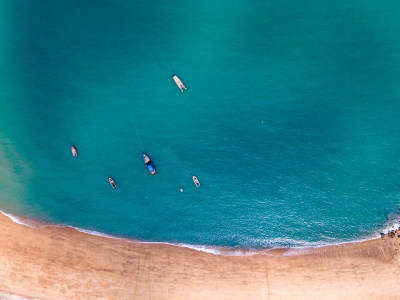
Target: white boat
<point>179,83</point>
<point>196,181</point>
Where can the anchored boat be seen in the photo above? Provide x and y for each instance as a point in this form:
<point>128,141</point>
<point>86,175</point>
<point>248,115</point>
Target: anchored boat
<point>112,182</point>
<point>149,164</point>
<point>179,83</point>
<point>196,181</point>
<point>74,152</point>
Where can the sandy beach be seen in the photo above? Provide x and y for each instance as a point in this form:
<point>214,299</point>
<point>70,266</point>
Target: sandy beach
<point>61,263</point>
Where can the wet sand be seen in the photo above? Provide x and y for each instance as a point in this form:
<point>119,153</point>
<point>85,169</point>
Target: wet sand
<point>61,263</point>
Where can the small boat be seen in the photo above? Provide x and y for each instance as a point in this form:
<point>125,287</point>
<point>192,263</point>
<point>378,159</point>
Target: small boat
<point>149,164</point>
<point>112,182</point>
<point>179,83</point>
<point>74,152</point>
<point>196,181</point>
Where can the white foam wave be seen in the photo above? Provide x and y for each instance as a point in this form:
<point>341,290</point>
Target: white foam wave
<point>393,225</point>
<point>219,251</point>
<point>209,249</point>
<point>91,232</point>
<point>206,249</point>
<point>15,219</point>
<point>296,247</point>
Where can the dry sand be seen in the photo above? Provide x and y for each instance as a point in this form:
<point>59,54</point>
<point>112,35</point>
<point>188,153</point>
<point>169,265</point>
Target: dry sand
<point>62,263</point>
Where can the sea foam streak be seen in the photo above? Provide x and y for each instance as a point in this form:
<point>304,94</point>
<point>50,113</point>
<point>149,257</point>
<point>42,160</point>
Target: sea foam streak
<point>300,248</point>
<point>16,219</point>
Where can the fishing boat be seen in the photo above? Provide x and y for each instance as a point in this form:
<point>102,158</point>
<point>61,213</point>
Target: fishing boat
<point>74,152</point>
<point>179,83</point>
<point>112,182</point>
<point>196,181</point>
<point>149,164</point>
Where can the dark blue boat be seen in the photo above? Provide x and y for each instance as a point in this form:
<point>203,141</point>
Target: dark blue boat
<point>149,164</point>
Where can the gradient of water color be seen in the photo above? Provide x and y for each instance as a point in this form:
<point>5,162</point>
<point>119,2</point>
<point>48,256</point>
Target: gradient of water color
<point>290,121</point>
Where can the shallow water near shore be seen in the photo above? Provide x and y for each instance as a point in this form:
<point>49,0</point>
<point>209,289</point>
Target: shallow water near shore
<point>290,120</point>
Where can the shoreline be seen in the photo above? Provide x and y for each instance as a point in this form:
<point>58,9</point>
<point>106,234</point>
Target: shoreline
<point>53,262</point>
<point>216,250</point>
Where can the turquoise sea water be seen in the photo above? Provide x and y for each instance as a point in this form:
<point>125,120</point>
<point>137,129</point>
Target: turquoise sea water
<point>290,121</point>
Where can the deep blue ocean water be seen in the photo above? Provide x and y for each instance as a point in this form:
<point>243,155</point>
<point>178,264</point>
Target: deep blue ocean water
<point>291,119</point>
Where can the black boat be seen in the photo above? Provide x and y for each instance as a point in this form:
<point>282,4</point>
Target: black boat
<point>112,182</point>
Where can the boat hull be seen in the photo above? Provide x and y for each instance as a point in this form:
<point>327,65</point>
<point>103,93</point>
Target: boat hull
<point>196,181</point>
<point>149,164</point>
<point>179,83</point>
<point>112,183</point>
<point>74,152</point>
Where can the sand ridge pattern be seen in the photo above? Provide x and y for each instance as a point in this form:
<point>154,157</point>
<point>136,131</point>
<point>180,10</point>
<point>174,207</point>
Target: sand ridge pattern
<point>61,263</point>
